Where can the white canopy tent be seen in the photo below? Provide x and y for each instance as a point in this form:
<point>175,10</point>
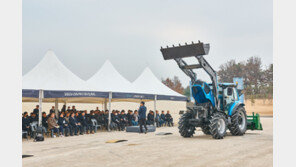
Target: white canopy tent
<point>148,83</point>
<point>108,79</point>
<point>51,79</point>
<point>51,74</point>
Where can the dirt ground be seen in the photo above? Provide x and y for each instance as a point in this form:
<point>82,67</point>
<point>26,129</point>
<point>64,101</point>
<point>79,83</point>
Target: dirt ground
<point>255,148</point>
<point>263,107</point>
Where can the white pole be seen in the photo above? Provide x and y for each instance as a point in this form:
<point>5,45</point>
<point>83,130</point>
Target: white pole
<point>40,107</point>
<point>155,99</point>
<point>109,119</point>
<point>105,105</point>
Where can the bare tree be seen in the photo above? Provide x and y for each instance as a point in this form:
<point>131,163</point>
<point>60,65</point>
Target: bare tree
<point>257,82</point>
<point>174,84</point>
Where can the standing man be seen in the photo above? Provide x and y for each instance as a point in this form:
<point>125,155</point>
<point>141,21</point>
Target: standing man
<point>142,117</point>
<point>36,110</point>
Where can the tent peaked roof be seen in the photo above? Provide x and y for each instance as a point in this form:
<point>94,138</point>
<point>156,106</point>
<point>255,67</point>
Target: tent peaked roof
<point>109,79</point>
<point>51,74</point>
<point>147,82</point>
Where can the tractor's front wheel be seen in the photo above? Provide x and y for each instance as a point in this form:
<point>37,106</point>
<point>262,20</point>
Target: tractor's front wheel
<point>185,129</point>
<point>238,124</point>
<point>218,125</point>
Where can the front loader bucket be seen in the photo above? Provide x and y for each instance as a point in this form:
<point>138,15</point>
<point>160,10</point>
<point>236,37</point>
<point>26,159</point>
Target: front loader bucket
<point>187,50</point>
<point>253,122</point>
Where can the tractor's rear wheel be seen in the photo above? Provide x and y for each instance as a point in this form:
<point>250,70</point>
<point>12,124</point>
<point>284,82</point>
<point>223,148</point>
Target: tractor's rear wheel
<point>238,124</point>
<point>185,129</point>
<point>206,129</point>
<point>218,125</point>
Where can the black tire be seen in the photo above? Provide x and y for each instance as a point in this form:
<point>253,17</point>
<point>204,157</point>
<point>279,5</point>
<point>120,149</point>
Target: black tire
<point>206,129</point>
<point>185,129</point>
<point>218,125</point>
<point>238,124</point>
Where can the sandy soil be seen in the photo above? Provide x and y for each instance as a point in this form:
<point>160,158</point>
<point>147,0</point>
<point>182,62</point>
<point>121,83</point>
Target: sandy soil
<point>263,107</point>
<point>255,148</point>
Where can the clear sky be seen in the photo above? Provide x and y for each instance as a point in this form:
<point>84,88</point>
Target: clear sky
<point>85,33</point>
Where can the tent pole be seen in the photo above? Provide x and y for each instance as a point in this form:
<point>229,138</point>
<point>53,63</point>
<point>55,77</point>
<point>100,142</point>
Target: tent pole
<point>56,107</point>
<point>40,107</point>
<point>109,117</point>
<point>105,105</point>
<point>155,99</point>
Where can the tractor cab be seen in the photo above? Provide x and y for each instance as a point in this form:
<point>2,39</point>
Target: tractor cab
<point>228,96</point>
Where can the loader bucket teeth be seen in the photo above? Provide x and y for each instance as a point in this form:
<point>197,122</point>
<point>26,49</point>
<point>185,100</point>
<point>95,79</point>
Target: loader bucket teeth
<point>187,50</point>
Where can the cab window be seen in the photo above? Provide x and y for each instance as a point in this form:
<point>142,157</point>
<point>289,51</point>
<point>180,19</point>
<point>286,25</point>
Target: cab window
<point>229,91</point>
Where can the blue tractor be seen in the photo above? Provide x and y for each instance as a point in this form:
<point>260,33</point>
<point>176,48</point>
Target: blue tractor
<point>217,106</point>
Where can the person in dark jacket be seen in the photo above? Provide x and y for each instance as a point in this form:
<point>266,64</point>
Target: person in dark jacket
<point>73,109</point>
<point>36,110</point>
<point>64,109</point>
<point>122,120</point>
<point>33,118</point>
<point>157,119</point>
<point>115,119</point>
<point>25,122</point>
<point>129,117</point>
<point>142,117</point>
<point>85,123</point>
<point>162,118</point>
<point>69,109</point>
<point>64,127</point>
<point>52,110</point>
<point>44,122</point>
<point>169,119</point>
<point>74,125</point>
<point>150,118</point>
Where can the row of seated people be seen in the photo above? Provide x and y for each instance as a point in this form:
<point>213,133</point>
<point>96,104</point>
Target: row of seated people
<point>121,120</point>
<point>70,122</point>
<point>66,124</point>
<point>160,120</point>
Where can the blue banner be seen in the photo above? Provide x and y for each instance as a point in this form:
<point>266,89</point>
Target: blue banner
<point>69,94</point>
<point>30,93</point>
<point>132,96</point>
<point>173,98</point>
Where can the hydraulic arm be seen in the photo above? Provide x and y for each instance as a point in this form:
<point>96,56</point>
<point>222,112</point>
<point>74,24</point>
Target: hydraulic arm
<point>197,50</point>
